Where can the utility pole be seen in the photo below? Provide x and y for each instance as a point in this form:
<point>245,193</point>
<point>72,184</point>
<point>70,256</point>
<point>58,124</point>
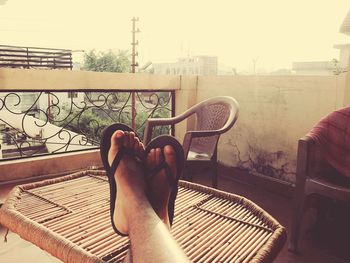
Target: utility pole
<point>48,107</point>
<point>133,65</point>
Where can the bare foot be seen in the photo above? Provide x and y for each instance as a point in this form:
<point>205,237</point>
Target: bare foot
<point>159,184</point>
<point>129,177</point>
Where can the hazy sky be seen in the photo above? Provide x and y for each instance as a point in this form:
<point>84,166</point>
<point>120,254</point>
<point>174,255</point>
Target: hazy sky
<point>275,32</point>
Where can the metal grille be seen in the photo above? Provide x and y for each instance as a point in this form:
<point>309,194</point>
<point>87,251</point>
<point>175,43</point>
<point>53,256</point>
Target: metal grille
<point>33,57</point>
<point>37,123</point>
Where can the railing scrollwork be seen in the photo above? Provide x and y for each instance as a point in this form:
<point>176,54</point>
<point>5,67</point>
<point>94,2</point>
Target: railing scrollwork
<point>36,123</point>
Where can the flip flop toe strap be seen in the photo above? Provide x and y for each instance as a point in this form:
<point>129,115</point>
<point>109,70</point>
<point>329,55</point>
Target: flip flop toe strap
<point>119,156</point>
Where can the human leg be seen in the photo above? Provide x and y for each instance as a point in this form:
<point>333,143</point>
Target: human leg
<point>150,238</point>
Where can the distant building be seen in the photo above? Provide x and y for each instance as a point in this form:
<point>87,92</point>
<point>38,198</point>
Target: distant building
<point>314,68</point>
<point>197,65</point>
<point>21,102</point>
<point>345,26</point>
<point>330,67</point>
<point>344,52</point>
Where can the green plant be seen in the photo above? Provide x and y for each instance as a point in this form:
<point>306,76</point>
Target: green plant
<point>337,69</point>
<point>106,61</point>
<point>91,121</point>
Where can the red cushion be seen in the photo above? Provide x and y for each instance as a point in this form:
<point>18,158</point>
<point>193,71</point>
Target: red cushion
<point>332,134</point>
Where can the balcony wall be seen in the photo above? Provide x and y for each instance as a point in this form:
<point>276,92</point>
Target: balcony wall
<point>16,80</point>
<point>23,79</point>
<point>274,112</point>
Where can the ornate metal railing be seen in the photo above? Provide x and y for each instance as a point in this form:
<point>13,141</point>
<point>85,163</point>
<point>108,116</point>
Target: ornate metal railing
<point>37,123</point>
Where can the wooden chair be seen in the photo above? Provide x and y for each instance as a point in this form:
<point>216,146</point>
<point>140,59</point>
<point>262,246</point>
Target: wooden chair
<point>213,117</point>
<point>316,176</point>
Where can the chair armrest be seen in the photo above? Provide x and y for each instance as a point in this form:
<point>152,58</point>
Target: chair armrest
<point>204,133</point>
<point>151,123</point>
<point>234,112</point>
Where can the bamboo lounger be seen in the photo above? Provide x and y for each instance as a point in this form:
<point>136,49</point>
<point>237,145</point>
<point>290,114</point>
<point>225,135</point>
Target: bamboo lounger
<point>69,218</point>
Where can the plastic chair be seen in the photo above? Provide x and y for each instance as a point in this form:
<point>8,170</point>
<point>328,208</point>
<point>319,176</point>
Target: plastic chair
<point>213,117</point>
<point>316,173</point>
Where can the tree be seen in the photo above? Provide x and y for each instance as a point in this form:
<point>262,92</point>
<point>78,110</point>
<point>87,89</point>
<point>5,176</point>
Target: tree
<point>337,68</point>
<point>107,61</point>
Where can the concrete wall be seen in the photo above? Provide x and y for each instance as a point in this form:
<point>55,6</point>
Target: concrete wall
<point>27,79</point>
<point>275,111</point>
<point>347,87</point>
<point>48,165</point>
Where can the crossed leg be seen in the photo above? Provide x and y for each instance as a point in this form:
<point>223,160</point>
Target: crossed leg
<point>147,224</point>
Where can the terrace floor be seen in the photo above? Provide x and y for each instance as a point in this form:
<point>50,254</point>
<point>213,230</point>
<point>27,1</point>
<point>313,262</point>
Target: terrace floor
<point>319,245</point>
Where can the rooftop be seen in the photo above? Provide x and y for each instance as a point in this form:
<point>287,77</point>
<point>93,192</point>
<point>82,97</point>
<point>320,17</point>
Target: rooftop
<point>345,26</point>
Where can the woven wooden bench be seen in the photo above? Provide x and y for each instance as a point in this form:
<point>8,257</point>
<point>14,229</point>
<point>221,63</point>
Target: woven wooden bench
<point>69,218</point>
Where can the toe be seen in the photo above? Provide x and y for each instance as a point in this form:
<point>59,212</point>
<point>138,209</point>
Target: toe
<point>169,152</point>
<point>141,149</point>
<point>141,146</point>
<point>126,140</point>
<point>158,155</point>
<point>170,158</point>
<point>136,143</point>
<point>117,140</point>
<point>131,140</point>
<point>151,158</point>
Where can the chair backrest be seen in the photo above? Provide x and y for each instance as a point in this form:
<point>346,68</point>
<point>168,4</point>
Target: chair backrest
<point>332,137</point>
<point>317,164</point>
<point>213,114</point>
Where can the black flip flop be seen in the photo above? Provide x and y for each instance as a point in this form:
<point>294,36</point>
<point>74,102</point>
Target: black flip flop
<point>104,148</point>
<point>161,142</point>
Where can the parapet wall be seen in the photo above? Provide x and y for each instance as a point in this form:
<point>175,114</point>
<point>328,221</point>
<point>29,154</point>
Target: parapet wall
<point>275,111</point>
